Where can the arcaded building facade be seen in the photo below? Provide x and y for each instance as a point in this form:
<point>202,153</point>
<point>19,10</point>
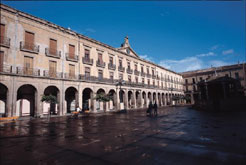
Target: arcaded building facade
<point>192,78</point>
<point>40,58</point>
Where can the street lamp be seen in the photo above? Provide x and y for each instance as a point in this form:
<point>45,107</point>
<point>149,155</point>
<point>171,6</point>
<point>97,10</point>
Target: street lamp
<point>120,83</point>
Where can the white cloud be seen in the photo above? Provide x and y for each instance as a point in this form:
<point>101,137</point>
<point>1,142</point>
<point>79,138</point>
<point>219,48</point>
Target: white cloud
<point>229,51</point>
<point>90,30</point>
<point>206,54</point>
<point>186,64</point>
<point>146,57</point>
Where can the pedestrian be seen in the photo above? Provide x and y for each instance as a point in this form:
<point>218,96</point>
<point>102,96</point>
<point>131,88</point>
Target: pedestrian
<point>150,108</point>
<point>155,109</point>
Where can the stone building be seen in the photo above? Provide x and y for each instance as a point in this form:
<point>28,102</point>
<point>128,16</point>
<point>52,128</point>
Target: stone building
<point>192,78</point>
<point>40,58</point>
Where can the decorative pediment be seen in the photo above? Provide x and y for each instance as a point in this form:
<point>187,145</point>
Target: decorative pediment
<point>126,48</point>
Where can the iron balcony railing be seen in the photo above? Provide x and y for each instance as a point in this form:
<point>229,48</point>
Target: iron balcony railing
<point>52,53</point>
<point>29,47</point>
<point>4,41</point>
<point>72,76</point>
<point>111,66</point>
<point>27,71</point>
<point>121,69</point>
<point>72,57</point>
<point>153,76</point>
<point>136,72</point>
<point>87,60</point>
<point>143,74</point>
<point>52,74</point>
<point>100,64</point>
<point>129,71</point>
<point>6,68</point>
<point>148,75</point>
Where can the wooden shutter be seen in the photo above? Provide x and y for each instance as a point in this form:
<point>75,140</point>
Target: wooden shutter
<point>1,61</point>
<point>87,54</point>
<point>52,68</point>
<point>71,71</point>
<point>28,65</point>
<point>53,46</point>
<point>71,51</point>
<point>2,29</point>
<point>100,57</point>
<point>29,40</point>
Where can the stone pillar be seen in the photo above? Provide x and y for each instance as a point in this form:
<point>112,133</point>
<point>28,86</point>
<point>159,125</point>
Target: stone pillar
<point>141,99</point>
<point>93,102</point>
<point>80,97</point>
<point>60,104</point>
<point>39,108</point>
<point>126,99</point>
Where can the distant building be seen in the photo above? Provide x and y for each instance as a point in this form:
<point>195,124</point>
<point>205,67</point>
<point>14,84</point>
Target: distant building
<point>192,78</point>
<point>39,58</point>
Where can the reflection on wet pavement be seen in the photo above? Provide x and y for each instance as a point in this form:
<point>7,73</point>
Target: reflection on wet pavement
<point>178,135</point>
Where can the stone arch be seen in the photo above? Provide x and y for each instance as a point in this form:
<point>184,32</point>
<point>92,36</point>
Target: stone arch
<point>3,100</point>
<point>159,99</point>
<point>112,104</point>
<point>163,99</point>
<point>144,97</point>
<point>26,103</point>
<point>71,97</point>
<point>130,97</point>
<point>138,99</point>
<point>149,98</point>
<point>87,101</point>
<point>122,98</point>
<point>52,108</point>
<point>101,105</point>
<point>154,97</point>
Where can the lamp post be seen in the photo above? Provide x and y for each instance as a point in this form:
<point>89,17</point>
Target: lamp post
<point>121,105</point>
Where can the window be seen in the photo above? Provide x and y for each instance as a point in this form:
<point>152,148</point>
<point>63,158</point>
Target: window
<point>2,29</point>
<point>161,84</point>
<point>136,79</point>
<point>186,81</point>
<point>128,65</point>
<point>153,72</point>
<point>120,63</point>
<point>111,60</point>
<point>87,72</point>
<point>100,58</point>
<point>142,69</point>
<point>71,51</point>
<point>71,71</point>
<point>136,67</point>
<point>153,82</point>
<point>53,46</point>
<point>1,60</point>
<point>236,75</point>
<point>28,65</point>
<point>158,84</point>
<point>52,68</point>
<point>142,80</point>
<point>100,74</point>
<point>111,75</point>
<point>29,40</point>
<point>87,54</point>
<point>147,70</point>
<point>129,78</point>
<point>193,80</point>
<point>121,76</point>
<point>148,82</point>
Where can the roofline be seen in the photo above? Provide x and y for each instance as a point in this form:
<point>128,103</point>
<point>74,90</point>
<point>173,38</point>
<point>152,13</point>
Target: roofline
<point>71,32</point>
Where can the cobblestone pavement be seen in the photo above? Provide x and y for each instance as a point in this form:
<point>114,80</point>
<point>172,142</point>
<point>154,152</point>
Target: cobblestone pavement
<point>178,135</point>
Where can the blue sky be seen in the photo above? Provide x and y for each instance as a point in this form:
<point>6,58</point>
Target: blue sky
<point>178,35</point>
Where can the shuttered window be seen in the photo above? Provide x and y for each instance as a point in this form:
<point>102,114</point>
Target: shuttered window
<point>100,74</point>
<point>2,29</point>
<point>87,54</point>
<point>53,46</point>
<point>71,71</point>
<point>29,40</point>
<point>100,57</point>
<point>71,51</point>
<point>87,72</point>
<point>111,76</point>
<point>1,60</point>
<point>28,65</point>
<point>136,67</point>
<point>120,63</point>
<point>111,60</point>
<point>52,68</point>
<point>136,79</point>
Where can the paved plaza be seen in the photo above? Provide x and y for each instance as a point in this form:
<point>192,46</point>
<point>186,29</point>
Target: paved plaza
<point>178,135</point>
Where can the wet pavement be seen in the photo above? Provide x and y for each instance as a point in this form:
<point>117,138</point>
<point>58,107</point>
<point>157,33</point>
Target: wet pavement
<point>178,135</point>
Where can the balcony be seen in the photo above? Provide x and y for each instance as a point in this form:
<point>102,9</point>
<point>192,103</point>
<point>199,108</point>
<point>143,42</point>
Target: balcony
<point>5,68</point>
<point>52,74</point>
<point>121,69</point>
<point>87,60</point>
<point>29,47</point>
<point>72,57</point>
<point>70,76</point>
<point>153,76</point>
<point>100,64</point>
<point>148,75</point>
<point>111,66</point>
<point>136,72</point>
<point>4,41</point>
<point>142,74</point>
<point>129,71</point>
<point>52,53</point>
<point>27,71</point>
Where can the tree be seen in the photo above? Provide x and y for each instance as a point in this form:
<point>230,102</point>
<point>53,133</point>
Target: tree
<point>101,97</point>
<point>51,100</point>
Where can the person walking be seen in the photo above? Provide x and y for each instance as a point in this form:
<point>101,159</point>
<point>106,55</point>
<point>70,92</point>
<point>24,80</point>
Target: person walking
<point>155,109</point>
<point>150,108</point>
